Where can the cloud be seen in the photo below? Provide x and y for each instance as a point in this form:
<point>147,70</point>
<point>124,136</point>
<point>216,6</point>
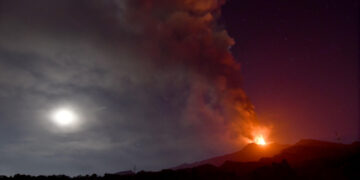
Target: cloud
<point>150,78</point>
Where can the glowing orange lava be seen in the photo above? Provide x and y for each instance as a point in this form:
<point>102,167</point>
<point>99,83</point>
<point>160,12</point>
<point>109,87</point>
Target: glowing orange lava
<point>257,134</point>
<point>259,140</point>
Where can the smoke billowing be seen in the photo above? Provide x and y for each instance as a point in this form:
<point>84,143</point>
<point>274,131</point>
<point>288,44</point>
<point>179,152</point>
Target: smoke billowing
<point>150,77</point>
<point>185,34</point>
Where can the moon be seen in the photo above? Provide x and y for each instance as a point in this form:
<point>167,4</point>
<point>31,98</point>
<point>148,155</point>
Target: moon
<point>64,117</point>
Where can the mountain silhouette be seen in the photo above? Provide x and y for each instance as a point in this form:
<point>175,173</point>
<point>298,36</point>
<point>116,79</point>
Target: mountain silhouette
<point>306,151</point>
<point>251,152</point>
<point>307,159</point>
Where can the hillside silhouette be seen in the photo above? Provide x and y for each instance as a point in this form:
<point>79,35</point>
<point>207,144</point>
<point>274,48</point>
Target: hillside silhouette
<point>251,152</point>
<point>307,159</point>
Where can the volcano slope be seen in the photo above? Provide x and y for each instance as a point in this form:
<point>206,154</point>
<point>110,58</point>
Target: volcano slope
<point>307,159</point>
<point>251,152</point>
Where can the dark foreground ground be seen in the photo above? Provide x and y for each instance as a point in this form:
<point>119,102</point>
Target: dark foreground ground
<point>307,159</point>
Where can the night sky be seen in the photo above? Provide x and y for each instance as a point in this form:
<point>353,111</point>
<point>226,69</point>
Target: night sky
<point>300,65</point>
<point>92,86</point>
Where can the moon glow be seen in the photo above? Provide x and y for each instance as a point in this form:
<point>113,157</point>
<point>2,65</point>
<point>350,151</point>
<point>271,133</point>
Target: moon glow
<point>64,117</point>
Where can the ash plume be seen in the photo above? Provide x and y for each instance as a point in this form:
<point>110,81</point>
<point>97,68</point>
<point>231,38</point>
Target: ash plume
<point>186,34</point>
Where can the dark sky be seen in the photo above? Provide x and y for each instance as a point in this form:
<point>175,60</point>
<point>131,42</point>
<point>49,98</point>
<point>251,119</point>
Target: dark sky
<point>154,84</point>
<point>299,64</point>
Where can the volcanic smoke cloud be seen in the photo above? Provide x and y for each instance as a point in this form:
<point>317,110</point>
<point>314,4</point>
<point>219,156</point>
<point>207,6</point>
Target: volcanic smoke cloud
<point>185,34</point>
<point>154,75</point>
